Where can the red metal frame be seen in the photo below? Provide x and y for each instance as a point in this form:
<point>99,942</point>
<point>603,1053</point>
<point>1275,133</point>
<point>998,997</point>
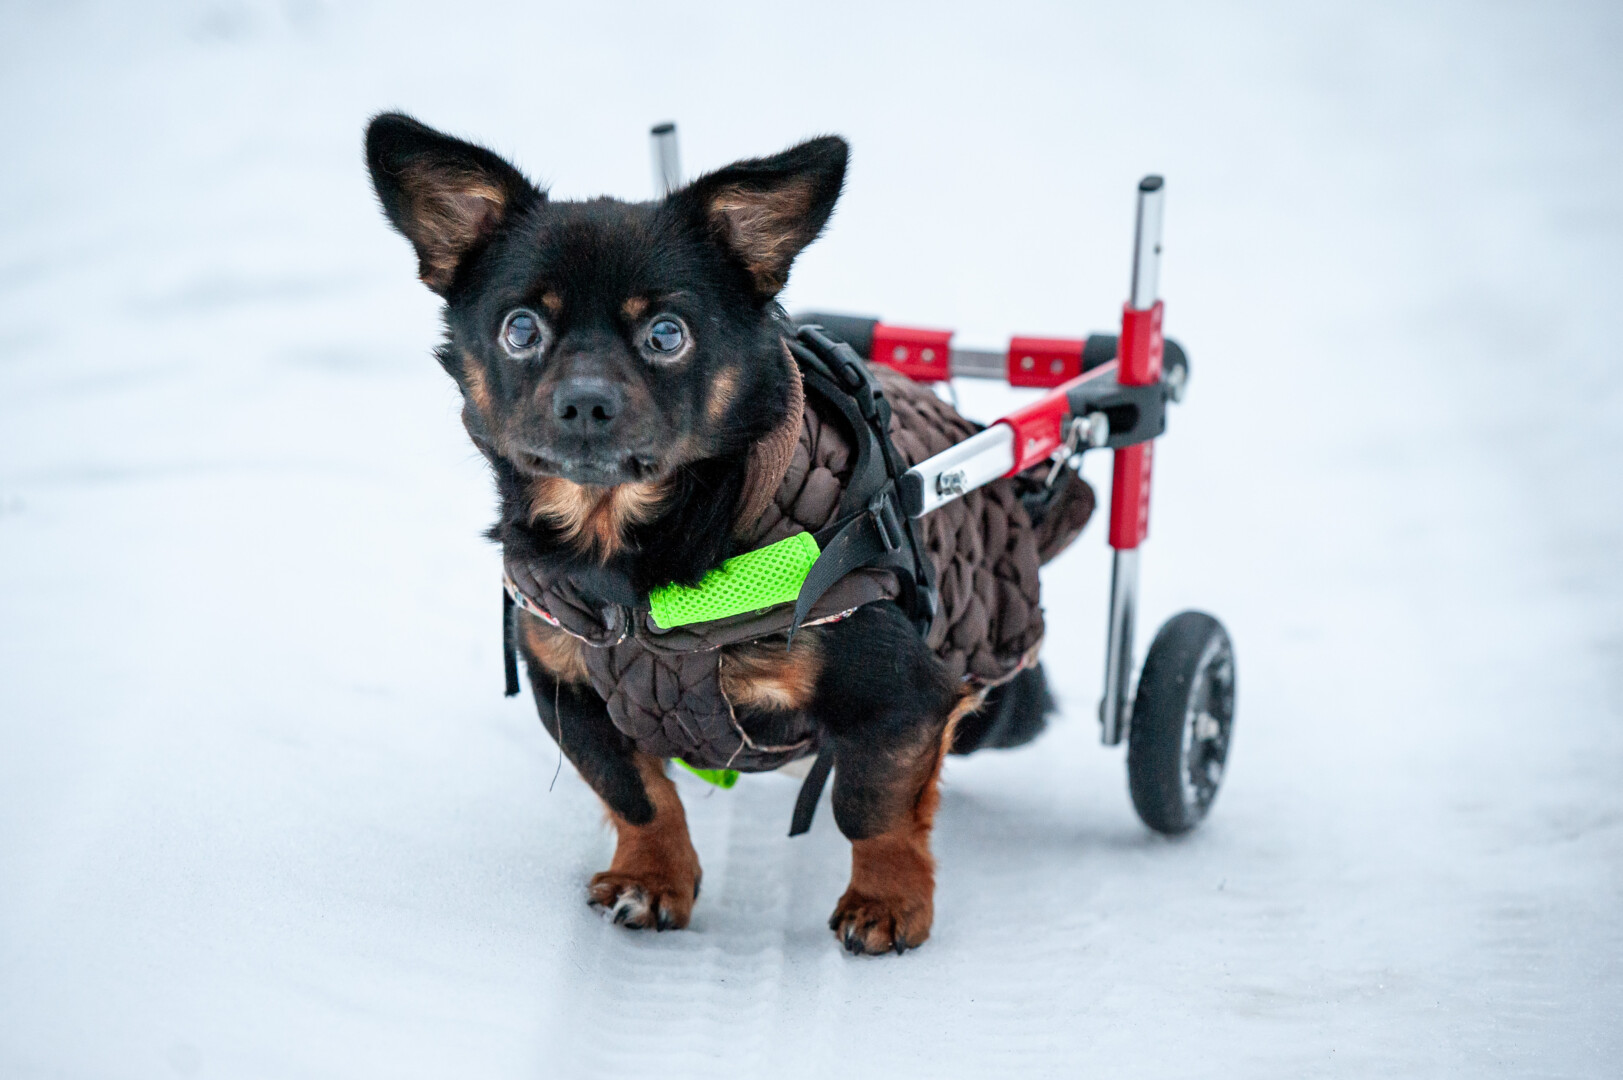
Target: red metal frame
<point>922,355</point>
<point>1039,428</point>
<point>1139,354</point>
<point>1141,345</point>
<point>1035,361</point>
<point>1130,495</point>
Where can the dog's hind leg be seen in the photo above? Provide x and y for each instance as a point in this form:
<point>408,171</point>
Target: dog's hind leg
<point>888,706</point>
<point>654,878</point>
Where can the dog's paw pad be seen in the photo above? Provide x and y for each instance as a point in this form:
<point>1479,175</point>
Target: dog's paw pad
<point>866,925</point>
<point>641,905</point>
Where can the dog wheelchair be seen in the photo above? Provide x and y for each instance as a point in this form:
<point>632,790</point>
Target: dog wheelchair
<point>1104,392</point>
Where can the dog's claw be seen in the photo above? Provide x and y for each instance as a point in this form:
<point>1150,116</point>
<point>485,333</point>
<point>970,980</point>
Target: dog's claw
<point>872,926</point>
<point>641,904</point>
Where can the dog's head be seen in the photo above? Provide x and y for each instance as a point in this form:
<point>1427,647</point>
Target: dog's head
<point>603,344</point>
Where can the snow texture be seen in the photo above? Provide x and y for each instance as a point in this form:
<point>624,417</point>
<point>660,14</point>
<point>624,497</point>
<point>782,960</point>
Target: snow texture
<point>264,812</point>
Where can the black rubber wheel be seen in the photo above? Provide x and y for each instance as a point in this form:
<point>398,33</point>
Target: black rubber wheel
<point>1183,721</point>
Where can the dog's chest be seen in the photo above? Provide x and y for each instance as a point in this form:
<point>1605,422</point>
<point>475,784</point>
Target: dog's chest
<point>742,706</point>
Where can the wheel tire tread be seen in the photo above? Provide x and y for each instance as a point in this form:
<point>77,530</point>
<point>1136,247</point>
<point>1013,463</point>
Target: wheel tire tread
<point>1155,738</point>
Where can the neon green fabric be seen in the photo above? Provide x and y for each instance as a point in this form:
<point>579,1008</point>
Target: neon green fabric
<point>722,778</point>
<point>753,581</point>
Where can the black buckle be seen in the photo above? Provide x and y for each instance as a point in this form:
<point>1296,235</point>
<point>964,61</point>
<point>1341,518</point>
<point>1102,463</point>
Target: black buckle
<point>846,366</point>
<point>883,512</point>
<point>858,382</point>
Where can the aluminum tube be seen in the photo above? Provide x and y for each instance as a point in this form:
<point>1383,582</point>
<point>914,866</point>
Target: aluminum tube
<point>1147,243</point>
<point>667,164</point>
<point>965,466</point>
<point>979,364</point>
<point>1114,711</point>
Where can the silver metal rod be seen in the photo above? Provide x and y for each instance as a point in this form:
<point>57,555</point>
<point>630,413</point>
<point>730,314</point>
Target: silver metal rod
<point>667,163</point>
<point>965,466</point>
<point>1147,243</point>
<point>979,364</point>
<point>1115,712</point>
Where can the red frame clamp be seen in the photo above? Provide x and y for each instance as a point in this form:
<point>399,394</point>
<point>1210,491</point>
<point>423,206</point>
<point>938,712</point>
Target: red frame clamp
<point>1035,361</point>
<point>1039,430</point>
<point>1141,345</point>
<point>1140,352</point>
<point>921,355</point>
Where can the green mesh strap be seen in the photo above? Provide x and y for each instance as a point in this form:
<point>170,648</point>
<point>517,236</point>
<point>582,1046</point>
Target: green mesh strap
<point>752,581</point>
<point>722,778</point>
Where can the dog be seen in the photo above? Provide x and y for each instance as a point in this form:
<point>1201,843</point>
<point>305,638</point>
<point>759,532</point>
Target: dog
<point>622,365</point>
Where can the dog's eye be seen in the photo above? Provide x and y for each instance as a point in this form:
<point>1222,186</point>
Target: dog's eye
<point>666,336</point>
<point>521,332</point>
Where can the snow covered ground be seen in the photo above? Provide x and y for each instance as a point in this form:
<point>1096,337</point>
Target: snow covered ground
<point>264,812</point>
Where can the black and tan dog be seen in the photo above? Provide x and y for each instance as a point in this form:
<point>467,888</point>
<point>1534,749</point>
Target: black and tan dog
<point>619,362</point>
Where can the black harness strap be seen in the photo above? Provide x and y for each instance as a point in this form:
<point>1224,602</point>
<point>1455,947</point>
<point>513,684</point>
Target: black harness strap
<point>871,531</point>
<point>812,790</point>
<point>510,643</point>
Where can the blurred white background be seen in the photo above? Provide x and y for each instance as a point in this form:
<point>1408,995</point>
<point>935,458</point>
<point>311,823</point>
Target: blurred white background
<point>264,812</point>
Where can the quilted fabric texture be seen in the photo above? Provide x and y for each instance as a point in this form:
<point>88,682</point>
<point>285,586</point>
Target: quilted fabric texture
<point>983,546</point>
<point>671,705</point>
<point>809,496</point>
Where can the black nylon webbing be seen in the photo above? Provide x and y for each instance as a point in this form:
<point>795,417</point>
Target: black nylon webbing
<point>510,643</point>
<point>871,532</point>
<point>812,790</point>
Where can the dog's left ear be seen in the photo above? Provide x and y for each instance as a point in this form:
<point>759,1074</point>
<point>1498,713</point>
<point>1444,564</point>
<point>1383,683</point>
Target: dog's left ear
<point>765,210</point>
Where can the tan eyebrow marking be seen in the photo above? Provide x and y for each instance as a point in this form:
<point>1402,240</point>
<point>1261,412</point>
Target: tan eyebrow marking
<point>722,392</point>
<point>552,302</point>
<point>473,380</point>
<point>634,307</point>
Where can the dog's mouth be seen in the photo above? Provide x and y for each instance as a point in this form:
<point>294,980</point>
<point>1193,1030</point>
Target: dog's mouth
<point>593,470</point>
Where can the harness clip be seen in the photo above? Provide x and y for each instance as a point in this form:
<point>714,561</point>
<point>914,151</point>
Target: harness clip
<point>883,512</point>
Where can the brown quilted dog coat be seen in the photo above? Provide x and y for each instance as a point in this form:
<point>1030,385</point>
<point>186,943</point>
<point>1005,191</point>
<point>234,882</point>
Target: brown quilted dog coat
<point>663,687</point>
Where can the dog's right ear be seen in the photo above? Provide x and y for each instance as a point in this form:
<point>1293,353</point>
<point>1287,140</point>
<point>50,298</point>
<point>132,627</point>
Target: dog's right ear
<point>445,195</point>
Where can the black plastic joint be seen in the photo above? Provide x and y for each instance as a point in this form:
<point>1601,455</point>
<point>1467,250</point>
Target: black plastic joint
<point>910,493</point>
<point>889,525</point>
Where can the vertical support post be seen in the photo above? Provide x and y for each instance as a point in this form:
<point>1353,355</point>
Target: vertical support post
<point>1140,353</point>
<point>1114,710</point>
<point>667,164</point>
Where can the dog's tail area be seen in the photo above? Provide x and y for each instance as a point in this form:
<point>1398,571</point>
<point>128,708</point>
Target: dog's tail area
<point>1014,713</point>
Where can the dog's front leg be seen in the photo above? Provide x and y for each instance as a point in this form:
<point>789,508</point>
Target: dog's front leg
<point>654,877</point>
<point>887,704</point>
<point>890,902</point>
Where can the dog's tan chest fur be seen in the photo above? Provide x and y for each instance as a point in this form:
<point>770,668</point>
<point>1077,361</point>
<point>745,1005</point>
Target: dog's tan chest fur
<point>594,519</point>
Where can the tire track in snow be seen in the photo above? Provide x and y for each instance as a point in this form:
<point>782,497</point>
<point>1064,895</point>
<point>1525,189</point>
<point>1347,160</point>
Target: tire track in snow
<point>685,1003</point>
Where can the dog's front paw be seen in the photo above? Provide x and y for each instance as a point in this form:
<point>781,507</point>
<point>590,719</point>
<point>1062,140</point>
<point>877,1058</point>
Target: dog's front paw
<point>875,924</point>
<point>646,901</point>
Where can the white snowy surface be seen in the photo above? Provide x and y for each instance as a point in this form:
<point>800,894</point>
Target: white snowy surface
<point>264,812</point>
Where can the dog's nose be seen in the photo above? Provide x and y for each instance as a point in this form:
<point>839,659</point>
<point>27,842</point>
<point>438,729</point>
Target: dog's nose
<point>587,405</point>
